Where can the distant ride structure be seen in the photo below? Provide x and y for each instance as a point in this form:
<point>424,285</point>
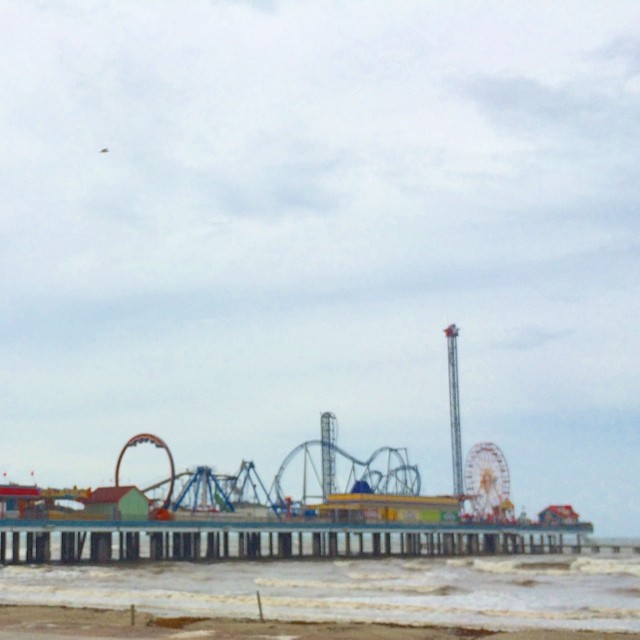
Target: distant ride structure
<point>202,490</point>
<point>452,332</point>
<point>329,437</point>
<point>246,489</point>
<point>488,483</point>
<point>202,493</point>
<point>149,438</point>
<point>312,468</point>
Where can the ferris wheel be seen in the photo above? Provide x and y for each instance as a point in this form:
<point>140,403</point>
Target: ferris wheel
<point>487,481</point>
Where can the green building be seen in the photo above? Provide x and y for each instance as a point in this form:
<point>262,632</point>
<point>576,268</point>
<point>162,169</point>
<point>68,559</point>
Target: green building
<point>117,503</point>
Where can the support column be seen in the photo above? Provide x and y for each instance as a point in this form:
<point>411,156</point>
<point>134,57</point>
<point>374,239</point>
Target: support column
<point>449,544</point>
<point>490,543</point>
<point>43,547</point>
<point>407,544</point>
<point>132,546</point>
<point>333,544</point>
<point>67,546</point>
<point>253,545</point>
<point>317,545</point>
<point>211,545</point>
<point>15,543</point>
<point>197,546</point>
<point>375,544</point>
<point>3,547</point>
<point>29,547</point>
<point>156,546</point>
<point>100,547</point>
<point>176,545</point>
<point>284,545</point>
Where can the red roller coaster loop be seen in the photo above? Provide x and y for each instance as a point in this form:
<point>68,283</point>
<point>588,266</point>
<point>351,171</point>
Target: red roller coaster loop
<point>143,438</point>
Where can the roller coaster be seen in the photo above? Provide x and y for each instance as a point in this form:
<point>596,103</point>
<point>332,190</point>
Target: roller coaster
<point>386,471</point>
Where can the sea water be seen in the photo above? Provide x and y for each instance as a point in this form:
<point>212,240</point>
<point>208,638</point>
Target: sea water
<point>590,591</point>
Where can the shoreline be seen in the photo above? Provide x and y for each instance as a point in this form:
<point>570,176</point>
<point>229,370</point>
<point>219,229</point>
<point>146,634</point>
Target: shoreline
<point>37,622</point>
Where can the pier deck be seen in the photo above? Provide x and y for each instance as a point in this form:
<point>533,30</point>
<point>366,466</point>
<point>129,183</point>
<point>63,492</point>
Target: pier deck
<point>74,541</point>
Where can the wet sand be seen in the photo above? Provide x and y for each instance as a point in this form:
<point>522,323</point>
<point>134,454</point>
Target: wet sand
<point>53,623</point>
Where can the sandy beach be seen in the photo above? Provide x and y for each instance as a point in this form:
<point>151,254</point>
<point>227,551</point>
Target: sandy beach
<point>38,622</point>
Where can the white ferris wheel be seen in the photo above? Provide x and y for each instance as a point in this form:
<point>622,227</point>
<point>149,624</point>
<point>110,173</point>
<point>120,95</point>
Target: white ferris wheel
<point>487,482</point>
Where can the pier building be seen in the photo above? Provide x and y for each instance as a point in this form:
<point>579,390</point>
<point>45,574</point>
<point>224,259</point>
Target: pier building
<point>375,507</point>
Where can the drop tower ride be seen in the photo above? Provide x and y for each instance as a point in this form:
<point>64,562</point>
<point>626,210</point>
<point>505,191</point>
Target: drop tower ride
<point>454,406</point>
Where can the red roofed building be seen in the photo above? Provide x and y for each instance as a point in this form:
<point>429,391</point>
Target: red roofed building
<point>18,491</point>
<point>117,503</point>
<point>558,514</point>
<point>13,497</point>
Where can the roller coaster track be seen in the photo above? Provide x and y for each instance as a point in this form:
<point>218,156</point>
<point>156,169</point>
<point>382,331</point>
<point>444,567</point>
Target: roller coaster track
<point>399,477</point>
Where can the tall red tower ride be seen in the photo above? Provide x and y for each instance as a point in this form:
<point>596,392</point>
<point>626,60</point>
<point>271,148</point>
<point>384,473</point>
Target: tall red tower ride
<point>454,406</point>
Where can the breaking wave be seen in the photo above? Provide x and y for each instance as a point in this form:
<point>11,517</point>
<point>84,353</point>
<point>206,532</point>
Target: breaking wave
<point>555,567</point>
<point>363,586</point>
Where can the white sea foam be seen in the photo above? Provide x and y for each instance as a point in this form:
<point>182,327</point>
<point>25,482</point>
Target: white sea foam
<point>606,566</point>
<point>417,565</point>
<point>572,592</point>
<point>494,566</point>
<point>459,562</point>
<point>370,585</point>
<point>371,576</point>
<point>556,566</point>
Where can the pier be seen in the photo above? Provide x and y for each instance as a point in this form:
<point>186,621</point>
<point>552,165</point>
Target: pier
<point>100,542</point>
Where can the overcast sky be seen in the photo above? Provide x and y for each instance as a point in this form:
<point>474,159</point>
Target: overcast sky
<point>297,199</point>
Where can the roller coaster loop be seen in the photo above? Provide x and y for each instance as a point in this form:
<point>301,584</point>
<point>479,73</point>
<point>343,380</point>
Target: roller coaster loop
<point>143,438</point>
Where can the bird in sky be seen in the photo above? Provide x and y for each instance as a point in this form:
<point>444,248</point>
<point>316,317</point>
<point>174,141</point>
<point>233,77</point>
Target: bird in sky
<point>105,150</point>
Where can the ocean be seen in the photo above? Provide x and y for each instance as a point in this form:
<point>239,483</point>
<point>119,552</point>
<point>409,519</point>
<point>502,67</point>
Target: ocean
<point>587,591</point>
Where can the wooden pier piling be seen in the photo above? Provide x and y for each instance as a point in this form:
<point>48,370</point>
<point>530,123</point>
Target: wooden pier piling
<point>210,541</point>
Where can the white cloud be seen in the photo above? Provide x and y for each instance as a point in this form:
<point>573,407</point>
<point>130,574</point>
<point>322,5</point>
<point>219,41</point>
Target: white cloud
<point>295,203</point>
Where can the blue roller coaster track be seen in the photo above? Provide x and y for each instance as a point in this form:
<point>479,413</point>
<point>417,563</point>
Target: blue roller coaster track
<point>396,475</point>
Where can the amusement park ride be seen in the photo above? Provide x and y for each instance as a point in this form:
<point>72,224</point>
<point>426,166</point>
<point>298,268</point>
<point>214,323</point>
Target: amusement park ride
<point>487,482</point>
<point>385,471</point>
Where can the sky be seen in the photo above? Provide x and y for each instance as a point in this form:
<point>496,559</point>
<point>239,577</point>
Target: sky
<point>297,199</point>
